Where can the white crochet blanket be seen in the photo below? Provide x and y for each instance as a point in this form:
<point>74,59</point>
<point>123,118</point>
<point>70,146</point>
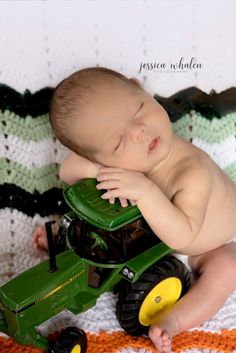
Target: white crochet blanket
<point>17,252</point>
<point>41,42</point>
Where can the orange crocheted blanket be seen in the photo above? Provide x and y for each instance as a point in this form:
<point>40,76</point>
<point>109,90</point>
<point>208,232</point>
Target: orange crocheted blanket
<point>117,341</point>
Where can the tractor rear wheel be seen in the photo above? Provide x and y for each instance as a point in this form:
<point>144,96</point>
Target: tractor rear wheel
<point>142,303</point>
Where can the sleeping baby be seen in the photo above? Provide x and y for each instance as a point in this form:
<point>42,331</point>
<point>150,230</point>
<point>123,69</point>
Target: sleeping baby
<point>118,133</point>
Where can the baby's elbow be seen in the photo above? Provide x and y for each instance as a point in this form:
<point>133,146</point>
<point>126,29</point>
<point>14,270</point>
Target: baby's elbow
<point>65,176</point>
<point>183,242</point>
<point>62,175</point>
<point>188,235</point>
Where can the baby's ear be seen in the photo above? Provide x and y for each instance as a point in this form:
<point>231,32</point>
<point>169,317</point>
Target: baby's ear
<point>136,82</point>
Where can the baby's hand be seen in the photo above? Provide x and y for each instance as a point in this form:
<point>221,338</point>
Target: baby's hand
<point>129,185</point>
<point>123,201</point>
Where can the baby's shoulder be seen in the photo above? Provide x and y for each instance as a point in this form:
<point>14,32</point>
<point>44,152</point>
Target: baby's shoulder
<point>194,169</point>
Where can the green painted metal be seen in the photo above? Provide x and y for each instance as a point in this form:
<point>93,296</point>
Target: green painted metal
<point>36,295</point>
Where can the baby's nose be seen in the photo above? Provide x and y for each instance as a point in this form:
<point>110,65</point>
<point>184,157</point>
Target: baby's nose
<point>138,133</point>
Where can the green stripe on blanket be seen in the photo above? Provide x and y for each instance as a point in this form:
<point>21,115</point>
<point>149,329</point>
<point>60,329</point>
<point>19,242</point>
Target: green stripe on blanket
<point>28,129</point>
<point>194,125</point>
<point>30,179</point>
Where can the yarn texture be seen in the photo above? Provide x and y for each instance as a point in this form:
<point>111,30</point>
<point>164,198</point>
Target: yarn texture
<point>31,193</point>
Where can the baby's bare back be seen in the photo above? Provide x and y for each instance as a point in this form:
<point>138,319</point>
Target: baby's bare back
<point>219,225</point>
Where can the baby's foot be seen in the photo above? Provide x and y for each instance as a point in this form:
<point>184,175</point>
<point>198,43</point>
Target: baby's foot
<point>162,332</point>
<point>160,338</point>
<point>40,236</point>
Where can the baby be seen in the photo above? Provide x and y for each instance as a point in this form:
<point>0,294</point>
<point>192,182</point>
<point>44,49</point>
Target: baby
<point>120,135</point>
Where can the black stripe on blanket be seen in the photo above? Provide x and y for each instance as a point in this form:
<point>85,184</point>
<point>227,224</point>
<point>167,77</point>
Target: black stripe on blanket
<point>48,203</point>
<point>209,105</point>
<point>35,104</point>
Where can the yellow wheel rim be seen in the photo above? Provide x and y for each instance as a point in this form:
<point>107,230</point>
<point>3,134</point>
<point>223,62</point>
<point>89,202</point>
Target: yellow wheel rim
<point>160,299</point>
<point>76,349</point>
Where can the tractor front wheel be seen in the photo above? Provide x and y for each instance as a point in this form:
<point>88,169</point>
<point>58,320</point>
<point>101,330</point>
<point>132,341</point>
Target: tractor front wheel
<point>71,340</point>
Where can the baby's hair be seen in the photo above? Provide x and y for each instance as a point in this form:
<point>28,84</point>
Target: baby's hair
<point>73,94</point>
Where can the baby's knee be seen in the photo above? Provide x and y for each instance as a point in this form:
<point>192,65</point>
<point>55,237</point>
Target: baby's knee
<point>229,266</point>
<point>227,274</point>
<point>221,264</point>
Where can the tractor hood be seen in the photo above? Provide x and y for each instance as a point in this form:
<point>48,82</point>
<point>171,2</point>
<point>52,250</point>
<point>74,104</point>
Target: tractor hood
<point>38,284</point>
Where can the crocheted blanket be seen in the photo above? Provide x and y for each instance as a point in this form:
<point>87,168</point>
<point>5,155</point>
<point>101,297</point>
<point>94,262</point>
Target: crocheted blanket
<point>31,192</point>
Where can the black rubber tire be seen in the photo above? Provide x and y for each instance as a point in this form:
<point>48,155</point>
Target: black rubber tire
<point>67,340</point>
<point>131,296</point>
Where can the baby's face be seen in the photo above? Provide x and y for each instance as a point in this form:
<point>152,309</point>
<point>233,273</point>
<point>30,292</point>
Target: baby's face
<point>125,128</point>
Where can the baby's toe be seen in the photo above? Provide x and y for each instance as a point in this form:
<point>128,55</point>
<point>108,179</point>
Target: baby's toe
<point>166,342</point>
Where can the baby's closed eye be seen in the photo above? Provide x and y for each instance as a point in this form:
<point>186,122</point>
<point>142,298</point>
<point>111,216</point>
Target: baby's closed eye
<point>119,143</point>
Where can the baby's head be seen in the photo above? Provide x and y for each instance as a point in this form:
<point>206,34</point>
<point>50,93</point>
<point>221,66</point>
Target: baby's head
<point>106,117</point>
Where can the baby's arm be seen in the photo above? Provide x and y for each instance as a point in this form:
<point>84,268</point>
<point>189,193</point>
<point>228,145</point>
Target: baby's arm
<point>179,221</point>
<point>74,168</point>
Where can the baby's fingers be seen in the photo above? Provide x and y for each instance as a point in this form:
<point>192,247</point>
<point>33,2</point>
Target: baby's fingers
<point>110,169</point>
<point>109,194</point>
<point>123,202</point>
<point>112,200</point>
<point>132,202</point>
<point>108,185</point>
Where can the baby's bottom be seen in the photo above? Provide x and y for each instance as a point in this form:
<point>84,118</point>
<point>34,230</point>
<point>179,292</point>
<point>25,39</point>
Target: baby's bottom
<point>216,280</point>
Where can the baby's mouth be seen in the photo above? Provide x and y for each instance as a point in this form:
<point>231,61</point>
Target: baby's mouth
<point>154,144</point>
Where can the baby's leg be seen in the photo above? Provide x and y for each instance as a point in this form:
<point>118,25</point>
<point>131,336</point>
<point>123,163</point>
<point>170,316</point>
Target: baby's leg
<point>216,281</point>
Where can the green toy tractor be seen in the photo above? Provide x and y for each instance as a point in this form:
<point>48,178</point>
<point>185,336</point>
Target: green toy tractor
<point>102,247</point>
